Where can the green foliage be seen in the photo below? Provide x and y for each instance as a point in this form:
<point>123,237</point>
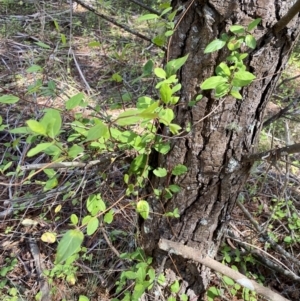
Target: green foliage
<point>231,76</point>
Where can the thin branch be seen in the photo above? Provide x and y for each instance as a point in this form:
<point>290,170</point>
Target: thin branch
<point>281,113</point>
<point>283,22</point>
<point>191,253</point>
<point>287,80</point>
<point>274,154</point>
<point>111,20</point>
<point>148,8</point>
<point>274,245</point>
<point>263,258</point>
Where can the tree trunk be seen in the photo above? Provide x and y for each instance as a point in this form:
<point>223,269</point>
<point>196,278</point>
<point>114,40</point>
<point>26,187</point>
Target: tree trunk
<point>213,151</point>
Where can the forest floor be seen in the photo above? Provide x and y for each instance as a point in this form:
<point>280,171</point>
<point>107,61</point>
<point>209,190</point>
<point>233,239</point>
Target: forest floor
<point>49,53</point>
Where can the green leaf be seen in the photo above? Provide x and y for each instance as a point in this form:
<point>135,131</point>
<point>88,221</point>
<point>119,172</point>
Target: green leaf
<point>74,101</point>
<point>129,117</point>
<point>148,68</point>
<point>94,44</point>
<point>83,298</point>
<point>34,68</point>
<point>213,292</point>
<point>174,65</point>
<point>242,78</point>
<point>9,99</point>
<point>174,128</point>
<point>166,116</point>
<point>214,46</point>
<point>179,170</point>
<point>75,150</point>
<point>39,148</point>
<point>74,219</point>
<point>174,188</point>
<point>175,287</point>
<point>117,78</point>
<point>234,44</point>
<point>250,41</point>
<point>92,226</point>
<point>160,73</point>
<point>253,24</point>
<point>43,45</point>
<point>228,280</point>
<point>86,220</point>
<point>184,297</point>
<point>147,17</point>
<point>222,90</point>
<point>160,172</point>
<point>162,148</point>
<point>36,127</point>
<point>52,122</point>
<point>165,93</point>
<point>223,70</point>
<point>237,29</point>
<point>97,131</point>
<point>236,94</point>
<point>69,245</point>
<point>109,216</point>
<point>288,239</point>
<point>130,275</point>
<point>143,209</point>
<point>95,204</point>
<point>212,82</point>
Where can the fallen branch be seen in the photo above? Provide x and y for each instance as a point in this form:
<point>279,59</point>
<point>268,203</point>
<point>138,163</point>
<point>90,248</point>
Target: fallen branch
<point>191,253</point>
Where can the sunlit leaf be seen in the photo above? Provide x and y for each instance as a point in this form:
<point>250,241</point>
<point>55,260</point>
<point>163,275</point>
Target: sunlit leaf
<point>214,46</point>
<point>49,237</point>
<point>74,101</point>
<point>143,209</point>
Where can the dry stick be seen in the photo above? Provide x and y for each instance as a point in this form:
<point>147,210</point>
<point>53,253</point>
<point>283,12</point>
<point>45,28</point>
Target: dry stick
<point>40,267</point>
<point>263,259</point>
<point>91,9</point>
<point>269,240</point>
<point>194,254</point>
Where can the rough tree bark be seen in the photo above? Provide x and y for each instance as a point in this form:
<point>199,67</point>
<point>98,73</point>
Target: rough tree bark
<point>212,151</point>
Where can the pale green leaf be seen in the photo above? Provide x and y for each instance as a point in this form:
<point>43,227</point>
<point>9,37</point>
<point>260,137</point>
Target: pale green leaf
<point>97,131</point>
<point>143,209</point>
<point>174,65</point>
<point>94,44</point>
<point>250,41</point>
<point>49,237</point>
<point>129,117</point>
<point>34,68</point>
<point>109,216</point>
<point>52,122</point>
<point>242,78</point>
<point>160,73</point>
<point>92,226</point>
<point>75,150</point>
<point>165,93</point>
<point>9,99</point>
<point>39,148</point>
<point>175,287</point>
<point>237,29</point>
<point>174,128</point>
<point>36,127</point>
<point>214,46</point>
<point>236,94</point>
<point>253,24</point>
<point>43,45</point>
<point>83,298</point>
<point>69,245</point>
<point>212,82</point>
<point>179,170</point>
<point>74,219</point>
<point>147,17</point>
<point>160,172</point>
<point>74,101</point>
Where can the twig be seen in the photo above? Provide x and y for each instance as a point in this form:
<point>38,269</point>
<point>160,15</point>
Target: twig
<point>148,8</point>
<point>89,8</point>
<point>262,258</point>
<point>268,239</point>
<point>44,287</point>
<point>109,243</point>
<point>191,253</point>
